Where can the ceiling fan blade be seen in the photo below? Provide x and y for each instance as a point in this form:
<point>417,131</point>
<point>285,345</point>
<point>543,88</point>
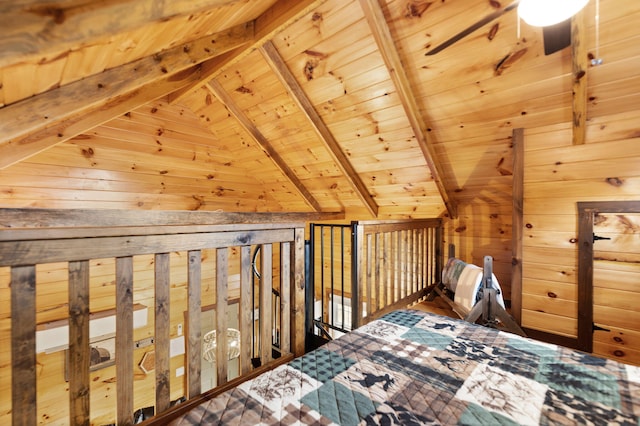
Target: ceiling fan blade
<point>556,37</point>
<point>481,23</point>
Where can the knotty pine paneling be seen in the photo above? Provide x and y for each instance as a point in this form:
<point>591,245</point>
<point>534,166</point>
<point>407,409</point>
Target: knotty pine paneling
<point>549,323</point>
<point>125,164</point>
<point>424,209</point>
<point>38,74</point>
<point>354,99</point>
<point>329,18</point>
<point>556,178</point>
<point>602,345</point>
<point>301,150</point>
<point>483,229</point>
<point>550,273</point>
<point>549,285</point>
<point>407,19</point>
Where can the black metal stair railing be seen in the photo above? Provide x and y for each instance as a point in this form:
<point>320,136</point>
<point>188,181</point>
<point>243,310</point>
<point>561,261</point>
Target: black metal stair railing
<point>329,246</point>
<point>359,271</point>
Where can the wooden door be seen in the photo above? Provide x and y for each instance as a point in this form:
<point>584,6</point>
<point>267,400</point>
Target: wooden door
<point>616,286</point>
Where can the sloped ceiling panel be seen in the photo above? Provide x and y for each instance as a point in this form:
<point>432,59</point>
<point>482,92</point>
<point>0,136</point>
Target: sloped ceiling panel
<point>335,60</point>
<point>52,67</point>
<point>156,157</point>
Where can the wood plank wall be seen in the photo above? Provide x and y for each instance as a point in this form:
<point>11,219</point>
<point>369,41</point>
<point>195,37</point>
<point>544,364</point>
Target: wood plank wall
<point>483,228</point>
<point>156,157</point>
<point>536,95</point>
<point>557,176</point>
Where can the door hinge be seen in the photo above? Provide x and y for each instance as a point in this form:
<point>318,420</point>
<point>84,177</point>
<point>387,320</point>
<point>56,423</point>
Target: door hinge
<point>598,328</point>
<point>598,237</point>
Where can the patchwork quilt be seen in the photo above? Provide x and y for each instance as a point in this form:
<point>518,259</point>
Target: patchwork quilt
<point>416,368</point>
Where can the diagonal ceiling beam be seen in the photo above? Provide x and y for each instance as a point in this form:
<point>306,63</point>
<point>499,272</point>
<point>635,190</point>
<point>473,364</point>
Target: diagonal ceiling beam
<point>49,115</point>
<point>218,91</point>
<point>32,28</point>
<point>271,22</point>
<point>384,39</point>
<point>13,152</point>
<point>290,83</point>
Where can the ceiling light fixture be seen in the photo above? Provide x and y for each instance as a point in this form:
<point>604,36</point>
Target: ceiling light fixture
<point>542,13</point>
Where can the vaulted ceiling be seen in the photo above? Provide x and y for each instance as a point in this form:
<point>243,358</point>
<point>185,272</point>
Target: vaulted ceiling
<point>275,105</point>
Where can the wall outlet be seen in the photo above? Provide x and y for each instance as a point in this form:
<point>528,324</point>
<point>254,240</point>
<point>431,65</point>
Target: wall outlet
<point>179,371</point>
<point>179,329</point>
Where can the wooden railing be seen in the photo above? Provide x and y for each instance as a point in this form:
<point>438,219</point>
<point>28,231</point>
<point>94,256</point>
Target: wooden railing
<point>384,265</point>
<point>396,262</point>
<point>29,238</point>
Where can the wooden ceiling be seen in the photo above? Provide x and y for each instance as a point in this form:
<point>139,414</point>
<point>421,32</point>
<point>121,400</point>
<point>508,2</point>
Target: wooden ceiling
<point>276,105</point>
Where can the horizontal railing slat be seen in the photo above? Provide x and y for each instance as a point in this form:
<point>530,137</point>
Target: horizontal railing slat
<point>49,251</point>
<point>113,219</point>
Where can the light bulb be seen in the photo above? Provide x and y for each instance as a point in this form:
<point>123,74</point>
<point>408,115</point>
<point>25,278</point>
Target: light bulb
<point>542,13</point>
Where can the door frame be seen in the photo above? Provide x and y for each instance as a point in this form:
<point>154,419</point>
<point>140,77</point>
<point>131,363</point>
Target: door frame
<point>586,213</point>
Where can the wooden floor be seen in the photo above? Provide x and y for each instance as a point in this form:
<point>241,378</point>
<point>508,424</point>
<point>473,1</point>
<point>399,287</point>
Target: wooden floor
<point>437,306</point>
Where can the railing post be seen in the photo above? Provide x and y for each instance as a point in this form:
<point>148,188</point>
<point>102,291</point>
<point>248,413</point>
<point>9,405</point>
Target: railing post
<point>439,249</point>
<point>357,236</point>
<point>309,292</point>
<point>297,297</point>
<point>23,345</point>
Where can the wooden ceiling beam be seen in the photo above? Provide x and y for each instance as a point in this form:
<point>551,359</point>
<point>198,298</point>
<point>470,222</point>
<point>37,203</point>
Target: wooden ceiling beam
<point>34,28</point>
<point>384,39</point>
<point>271,22</point>
<point>37,123</point>
<point>17,150</point>
<point>580,64</point>
<point>277,64</point>
<point>218,91</point>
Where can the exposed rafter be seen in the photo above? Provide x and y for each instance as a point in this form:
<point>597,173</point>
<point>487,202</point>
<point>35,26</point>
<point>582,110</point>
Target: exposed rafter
<point>580,64</point>
<point>218,91</point>
<point>14,151</point>
<point>56,116</point>
<point>37,123</point>
<point>280,68</point>
<point>275,19</point>
<point>382,34</point>
<point>31,28</point>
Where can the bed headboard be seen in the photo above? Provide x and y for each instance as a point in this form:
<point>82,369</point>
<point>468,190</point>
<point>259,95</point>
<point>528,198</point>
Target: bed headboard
<point>81,239</point>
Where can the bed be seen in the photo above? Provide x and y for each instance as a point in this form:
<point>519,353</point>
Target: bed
<point>414,367</point>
